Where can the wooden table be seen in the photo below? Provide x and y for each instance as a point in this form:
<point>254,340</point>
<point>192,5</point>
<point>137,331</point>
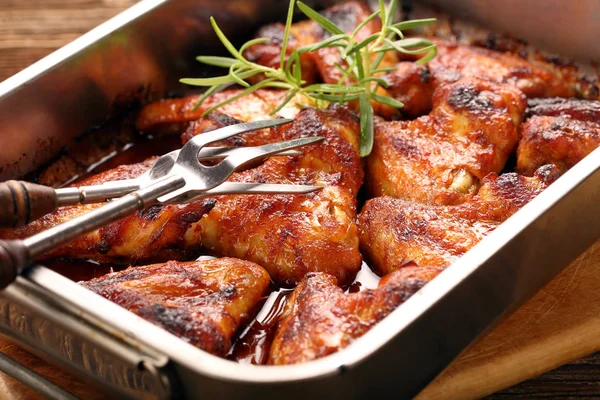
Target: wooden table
<point>31,29</point>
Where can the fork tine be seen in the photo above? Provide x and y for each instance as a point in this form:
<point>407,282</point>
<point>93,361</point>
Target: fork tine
<point>232,130</point>
<point>215,175</point>
<point>245,155</point>
<point>227,188</point>
<point>215,153</point>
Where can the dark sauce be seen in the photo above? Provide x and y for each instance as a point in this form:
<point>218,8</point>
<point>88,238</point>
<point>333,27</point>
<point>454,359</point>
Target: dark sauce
<point>254,340</point>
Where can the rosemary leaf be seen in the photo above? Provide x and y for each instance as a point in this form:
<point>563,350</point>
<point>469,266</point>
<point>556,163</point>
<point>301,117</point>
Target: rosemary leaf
<point>243,93</point>
<point>286,100</point>
<point>363,23</point>
<point>252,43</point>
<point>415,23</point>
<point>286,33</point>
<point>387,100</point>
<point>319,19</point>
<point>329,42</point>
<point>224,62</point>
<point>366,125</point>
<point>226,41</point>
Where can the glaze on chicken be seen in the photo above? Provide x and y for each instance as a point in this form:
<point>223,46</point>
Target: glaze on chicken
<point>395,232</point>
<point>440,158</point>
<point>203,302</point>
<point>558,131</point>
<point>289,235</point>
<point>159,233</point>
<point>321,319</point>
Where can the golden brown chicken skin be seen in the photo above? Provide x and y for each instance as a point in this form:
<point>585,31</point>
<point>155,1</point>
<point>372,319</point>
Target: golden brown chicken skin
<point>440,158</point>
<point>561,141</point>
<point>321,319</point>
<point>175,114</point>
<point>583,79</point>
<point>396,232</point>
<point>581,110</point>
<point>203,302</point>
<point>293,235</point>
<point>289,235</point>
<point>159,233</point>
<point>412,84</point>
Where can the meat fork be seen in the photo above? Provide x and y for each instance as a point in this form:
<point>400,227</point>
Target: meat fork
<point>178,178</point>
<point>25,201</point>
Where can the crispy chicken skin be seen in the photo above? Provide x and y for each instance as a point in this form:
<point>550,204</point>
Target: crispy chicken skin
<point>440,158</point>
<point>561,141</point>
<point>203,302</point>
<point>289,235</point>
<point>321,319</point>
<point>395,232</point>
<point>583,79</point>
<point>292,235</point>
<point>163,114</point>
<point>412,84</point>
<point>159,233</point>
<point>581,110</point>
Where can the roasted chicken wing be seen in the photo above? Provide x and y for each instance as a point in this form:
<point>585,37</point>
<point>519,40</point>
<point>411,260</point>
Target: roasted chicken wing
<point>440,158</point>
<point>412,83</point>
<point>581,110</point>
<point>289,235</point>
<point>321,319</point>
<point>159,233</point>
<point>583,79</point>
<point>292,235</point>
<point>561,141</point>
<point>175,114</point>
<point>202,302</point>
<point>395,232</point>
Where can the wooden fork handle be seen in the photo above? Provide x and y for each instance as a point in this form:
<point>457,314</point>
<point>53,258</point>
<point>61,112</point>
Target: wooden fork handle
<point>14,256</point>
<point>22,202</point>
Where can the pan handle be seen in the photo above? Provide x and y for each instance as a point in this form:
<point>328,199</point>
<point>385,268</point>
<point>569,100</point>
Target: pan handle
<point>22,202</point>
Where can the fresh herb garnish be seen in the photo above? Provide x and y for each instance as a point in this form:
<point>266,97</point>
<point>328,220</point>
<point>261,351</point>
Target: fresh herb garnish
<point>360,72</point>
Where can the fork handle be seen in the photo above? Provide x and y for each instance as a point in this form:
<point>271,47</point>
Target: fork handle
<point>22,202</point>
<point>13,258</point>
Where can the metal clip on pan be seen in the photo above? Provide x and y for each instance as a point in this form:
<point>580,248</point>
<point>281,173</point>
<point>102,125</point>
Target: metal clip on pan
<point>179,177</point>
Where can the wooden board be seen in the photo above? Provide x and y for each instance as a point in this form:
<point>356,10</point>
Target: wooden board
<point>558,325</point>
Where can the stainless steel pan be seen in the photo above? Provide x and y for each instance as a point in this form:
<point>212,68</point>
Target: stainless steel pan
<point>153,44</point>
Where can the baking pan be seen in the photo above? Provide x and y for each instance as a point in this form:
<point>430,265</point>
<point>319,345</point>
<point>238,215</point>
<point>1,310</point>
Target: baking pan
<point>149,47</point>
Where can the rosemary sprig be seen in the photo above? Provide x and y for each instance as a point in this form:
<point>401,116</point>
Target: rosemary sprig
<point>360,71</point>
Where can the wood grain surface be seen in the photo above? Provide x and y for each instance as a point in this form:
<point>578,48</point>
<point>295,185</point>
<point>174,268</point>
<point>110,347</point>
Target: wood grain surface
<point>559,325</point>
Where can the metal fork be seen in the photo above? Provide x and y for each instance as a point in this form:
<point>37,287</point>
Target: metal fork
<point>31,201</point>
<point>186,179</point>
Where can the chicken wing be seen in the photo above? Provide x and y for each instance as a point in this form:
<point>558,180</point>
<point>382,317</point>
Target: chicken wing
<point>395,232</point>
<point>292,235</point>
<point>412,83</point>
<point>202,302</point>
<point>159,233</point>
<point>175,114</point>
<point>581,110</point>
<point>289,235</point>
<point>321,319</point>
<point>440,158</point>
<point>561,141</point>
<point>583,79</point>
